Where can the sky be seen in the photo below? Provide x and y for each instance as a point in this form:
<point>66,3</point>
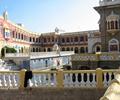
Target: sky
<point>46,15</point>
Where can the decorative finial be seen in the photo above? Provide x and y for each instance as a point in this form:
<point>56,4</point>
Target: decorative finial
<point>5,15</point>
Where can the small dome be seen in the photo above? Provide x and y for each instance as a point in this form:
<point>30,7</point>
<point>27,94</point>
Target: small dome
<point>112,16</point>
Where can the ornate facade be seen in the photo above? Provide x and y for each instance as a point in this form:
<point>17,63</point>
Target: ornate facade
<point>24,41</point>
<point>109,23</point>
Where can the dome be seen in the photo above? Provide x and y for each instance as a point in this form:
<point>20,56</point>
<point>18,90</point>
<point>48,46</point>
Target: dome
<point>112,17</point>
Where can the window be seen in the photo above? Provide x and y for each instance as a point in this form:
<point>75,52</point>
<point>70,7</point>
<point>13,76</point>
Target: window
<point>113,45</point>
<point>33,49</point>
<point>82,50</point>
<point>71,39</point>
<point>68,39</point>
<point>36,39</point>
<point>81,39</point>
<point>33,39</point>
<point>13,33</point>
<point>68,49</point>
<point>116,24</point>
<point>36,49</point>
<point>112,24</point>
<point>76,39</point>
<point>76,49</point>
<point>63,49</point>
<point>39,40</point>
<point>18,35</point>
<point>30,38</point>
<point>45,40</point>
<point>48,39</point>
<point>22,37</point>
<point>63,40</point>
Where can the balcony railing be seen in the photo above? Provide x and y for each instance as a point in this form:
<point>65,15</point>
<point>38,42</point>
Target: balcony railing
<point>58,79</point>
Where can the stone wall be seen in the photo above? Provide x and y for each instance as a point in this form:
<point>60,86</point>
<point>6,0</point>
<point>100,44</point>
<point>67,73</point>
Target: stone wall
<point>52,94</point>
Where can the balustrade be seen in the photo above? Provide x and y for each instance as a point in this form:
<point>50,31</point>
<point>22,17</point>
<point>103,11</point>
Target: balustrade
<point>82,78</point>
<point>9,79</point>
<point>43,79</point>
<point>108,75</point>
<point>60,79</point>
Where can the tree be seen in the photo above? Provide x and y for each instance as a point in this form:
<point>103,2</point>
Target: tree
<point>7,50</point>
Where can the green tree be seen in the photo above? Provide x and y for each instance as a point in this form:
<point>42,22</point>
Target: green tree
<point>7,49</point>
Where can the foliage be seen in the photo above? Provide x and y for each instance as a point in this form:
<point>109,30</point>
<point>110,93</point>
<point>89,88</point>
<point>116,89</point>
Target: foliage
<point>7,50</point>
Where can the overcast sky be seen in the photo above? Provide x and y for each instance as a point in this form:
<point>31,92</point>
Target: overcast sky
<point>45,15</point>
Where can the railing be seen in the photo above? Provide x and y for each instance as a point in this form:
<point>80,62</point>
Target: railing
<point>43,79</point>
<point>9,79</point>
<point>96,57</point>
<point>33,55</point>
<point>82,78</point>
<point>58,79</point>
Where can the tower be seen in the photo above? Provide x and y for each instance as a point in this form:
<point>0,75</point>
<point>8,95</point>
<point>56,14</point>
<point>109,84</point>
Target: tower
<point>109,25</point>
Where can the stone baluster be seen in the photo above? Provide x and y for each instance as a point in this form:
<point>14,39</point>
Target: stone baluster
<point>71,82</point>
<point>65,80</point>
<point>105,79</point>
<point>54,75</point>
<point>93,81</point>
<point>110,78</point>
<point>49,80</point>
<point>82,80</point>
<point>4,80</point>
<point>1,81</point>
<point>10,80</point>
<point>88,80</point>
<point>76,83</point>
<point>15,81</point>
<point>44,80</point>
<point>34,81</point>
<point>39,80</point>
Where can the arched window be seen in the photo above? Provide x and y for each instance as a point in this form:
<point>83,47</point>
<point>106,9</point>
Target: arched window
<point>71,48</point>
<point>63,40</point>
<point>33,49</point>
<point>36,49</point>
<point>63,49</point>
<point>82,50</point>
<point>113,45</point>
<point>76,39</point>
<point>76,49</point>
<point>48,49</point>
<point>68,39</point>
<point>116,24</point>
<point>39,50</point>
<point>86,49</point>
<point>68,49</point>
<point>112,24</point>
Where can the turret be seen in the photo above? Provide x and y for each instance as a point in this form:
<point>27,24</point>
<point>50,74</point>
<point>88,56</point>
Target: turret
<point>5,15</point>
